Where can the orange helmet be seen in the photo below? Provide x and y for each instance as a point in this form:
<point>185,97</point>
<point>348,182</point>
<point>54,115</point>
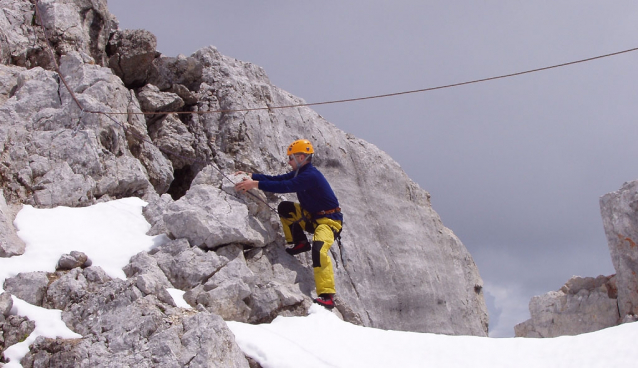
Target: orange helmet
<point>300,146</point>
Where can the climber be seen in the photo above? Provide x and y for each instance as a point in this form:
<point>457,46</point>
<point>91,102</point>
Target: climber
<point>317,212</point>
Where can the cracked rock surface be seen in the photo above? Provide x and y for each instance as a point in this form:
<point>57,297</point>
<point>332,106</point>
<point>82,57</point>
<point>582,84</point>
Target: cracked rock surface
<point>398,267</point>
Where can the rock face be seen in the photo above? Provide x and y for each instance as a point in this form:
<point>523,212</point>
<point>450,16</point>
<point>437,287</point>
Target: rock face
<point>414,248</point>
<point>71,25</point>
<point>54,154</point>
<point>620,219</point>
<point>581,305</point>
<point>398,267</point>
<point>587,304</point>
<point>131,53</point>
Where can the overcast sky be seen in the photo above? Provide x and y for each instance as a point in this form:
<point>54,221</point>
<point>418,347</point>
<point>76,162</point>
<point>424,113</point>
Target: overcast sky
<point>515,167</point>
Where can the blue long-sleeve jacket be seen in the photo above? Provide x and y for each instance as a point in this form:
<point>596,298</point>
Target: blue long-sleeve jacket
<point>312,188</point>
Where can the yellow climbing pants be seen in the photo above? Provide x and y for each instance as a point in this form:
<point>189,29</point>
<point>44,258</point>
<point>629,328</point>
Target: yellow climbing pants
<point>294,220</point>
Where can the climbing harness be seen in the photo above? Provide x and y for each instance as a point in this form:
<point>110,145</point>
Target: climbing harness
<point>329,212</point>
<point>337,234</point>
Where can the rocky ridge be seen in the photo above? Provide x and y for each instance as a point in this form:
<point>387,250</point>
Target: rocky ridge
<point>590,304</point>
<point>69,149</point>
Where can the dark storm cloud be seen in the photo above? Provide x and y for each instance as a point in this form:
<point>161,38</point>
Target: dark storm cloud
<point>515,167</point>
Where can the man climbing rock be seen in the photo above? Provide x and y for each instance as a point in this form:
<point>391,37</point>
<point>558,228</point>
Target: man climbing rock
<point>317,212</point>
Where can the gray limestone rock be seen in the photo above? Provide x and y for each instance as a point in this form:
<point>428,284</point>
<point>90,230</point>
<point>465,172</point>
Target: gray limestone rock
<point>17,39</point>
<point>145,264</point>
<point>228,300</point>
<point>61,186</point>
<point>62,156</point>
<point>272,299</point>
<point>158,167</point>
<point>151,285</point>
<point>221,282</point>
<point>619,212</point>
<point>78,25</point>
<point>71,25</point>
<point>131,53</point>
<point>226,293</point>
<point>6,303</point>
<point>8,81</point>
<point>189,97</point>
<point>186,266</point>
<point>123,327</point>
<point>29,286</point>
<point>16,329</point>
<point>282,283</point>
<point>589,304</point>
<point>96,275</point>
<point>166,71</point>
<point>602,283</point>
<point>47,352</point>
<point>67,288</point>
<point>153,100</point>
<point>73,260</point>
<point>208,340</point>
<point>154,213</point>
<point>209,218</point>
<point>581,305</point>
<point>10,244</point>
<point>174,139</point>
<point>19,44</point>
<point>149,277</point>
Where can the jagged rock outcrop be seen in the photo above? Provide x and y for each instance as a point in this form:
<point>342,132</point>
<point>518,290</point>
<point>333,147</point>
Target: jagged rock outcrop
<point>173,137</point>
<point>55,154</point>
<point>131,53</point>
<point>619,211</point>
<point>153,100</point>
<point>227,282</point>
<point>588,304</point>
<point>581,305</point>
<point>71,25</point>
<point>169,73</point>
<point>123,326</point>
<point>398,268</point>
